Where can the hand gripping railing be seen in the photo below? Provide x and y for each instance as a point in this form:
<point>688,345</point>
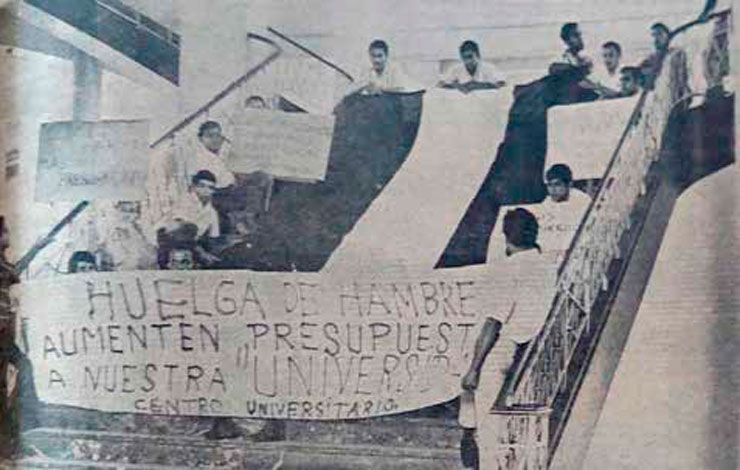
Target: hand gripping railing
<point>543,372</point>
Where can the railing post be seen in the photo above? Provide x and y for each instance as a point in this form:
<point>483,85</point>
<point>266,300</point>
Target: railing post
<point>515,438</point>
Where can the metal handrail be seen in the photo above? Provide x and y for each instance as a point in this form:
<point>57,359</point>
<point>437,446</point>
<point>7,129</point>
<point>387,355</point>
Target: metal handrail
<point>534,345</point>
<point>226,91</point>
<point>311,53</point>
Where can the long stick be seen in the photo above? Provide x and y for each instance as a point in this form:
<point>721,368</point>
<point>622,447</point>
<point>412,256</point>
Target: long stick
<point>313,54</point>
<point>226,91</point>
<point>25,261</point>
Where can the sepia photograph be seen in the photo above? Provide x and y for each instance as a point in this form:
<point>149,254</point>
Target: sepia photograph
<point>347,235</point>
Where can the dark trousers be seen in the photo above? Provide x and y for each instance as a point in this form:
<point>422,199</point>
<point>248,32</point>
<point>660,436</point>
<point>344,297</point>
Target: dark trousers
<point>20,410</point>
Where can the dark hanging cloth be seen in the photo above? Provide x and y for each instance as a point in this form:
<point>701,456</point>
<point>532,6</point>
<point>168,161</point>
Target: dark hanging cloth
<point>515,177</point>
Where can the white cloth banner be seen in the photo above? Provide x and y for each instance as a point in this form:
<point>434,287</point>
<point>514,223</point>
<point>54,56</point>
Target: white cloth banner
<point>276,345</point>
<point>415,216</point>
<point>584,136</point>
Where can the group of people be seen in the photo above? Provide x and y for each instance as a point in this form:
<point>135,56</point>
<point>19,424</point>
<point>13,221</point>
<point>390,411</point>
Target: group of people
<point>609,79</point>
<point>532,241</point>
<point>222,209</point>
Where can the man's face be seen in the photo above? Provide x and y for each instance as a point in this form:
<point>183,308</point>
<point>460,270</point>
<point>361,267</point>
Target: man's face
<point>212,139</point>
<point>610,57</point>
<point>181,260</point>
<point>470,59</point>
<point>628,84</point>
<point>204,190</point>
<point>557,189</point>
<point>575,40</point>
<point>660,38</point>
<point>378,59</point>
<point>86,267</point>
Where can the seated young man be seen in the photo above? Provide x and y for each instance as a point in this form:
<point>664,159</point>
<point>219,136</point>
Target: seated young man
<point>473,74</point>
<point>211,155</point>
<point>196,208</point>
<point>518,317</point>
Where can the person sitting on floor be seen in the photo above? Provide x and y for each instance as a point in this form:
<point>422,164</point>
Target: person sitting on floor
<point>211,155</point>
<point>196,208</point>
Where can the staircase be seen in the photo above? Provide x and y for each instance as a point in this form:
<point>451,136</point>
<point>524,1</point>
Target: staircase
<point>551,407</point>
<point>665,148</point>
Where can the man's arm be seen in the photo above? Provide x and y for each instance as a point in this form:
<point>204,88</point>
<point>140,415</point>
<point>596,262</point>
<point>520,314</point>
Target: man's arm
<point>473,86</point>
<point>483,344</point>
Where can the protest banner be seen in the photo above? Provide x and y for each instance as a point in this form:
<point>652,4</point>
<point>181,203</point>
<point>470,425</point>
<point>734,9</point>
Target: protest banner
<point>292,146</point>
<point>82,161</point>
<point>271,345</point>
<point>584,136</point>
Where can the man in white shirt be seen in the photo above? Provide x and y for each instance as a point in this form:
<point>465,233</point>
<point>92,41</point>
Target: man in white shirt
<point>196,208</point>
<point>518,317</point>
<point>473,73</point>
<point>558,216</point>
<point>606,76</point>
<point>383,75</point>
<point>211,155</point>
<point>571,57</point>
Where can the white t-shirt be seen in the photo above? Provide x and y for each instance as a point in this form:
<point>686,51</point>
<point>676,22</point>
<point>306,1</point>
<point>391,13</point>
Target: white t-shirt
<point>190,209</point>
<point>393,78</point>
<point>558,223</point>
<point>601,76</point>
<point>484,73</point>
<point>522,309</point>
<point>204,159</point>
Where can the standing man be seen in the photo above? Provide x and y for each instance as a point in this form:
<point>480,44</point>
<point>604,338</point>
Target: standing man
<point>24,414</point>
<point>571,60</point>
<point>650,67</point>
<point>572,69</point>
<point>517,318</point>
<point>606,77</point>
<point>473,74</point>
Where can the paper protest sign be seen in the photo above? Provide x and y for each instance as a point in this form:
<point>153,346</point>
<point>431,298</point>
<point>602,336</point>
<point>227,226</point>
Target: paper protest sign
<point>286,145</point>
<point>92,160</point>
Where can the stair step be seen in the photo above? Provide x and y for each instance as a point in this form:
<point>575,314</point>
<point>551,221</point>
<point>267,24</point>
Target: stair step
<point>67,448</point>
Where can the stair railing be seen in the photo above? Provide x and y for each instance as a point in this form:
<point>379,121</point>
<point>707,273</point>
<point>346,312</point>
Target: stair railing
<point>545,372</point>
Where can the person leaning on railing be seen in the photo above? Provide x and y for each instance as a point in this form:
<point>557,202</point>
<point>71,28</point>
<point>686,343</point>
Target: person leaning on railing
<point>517,318</point>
